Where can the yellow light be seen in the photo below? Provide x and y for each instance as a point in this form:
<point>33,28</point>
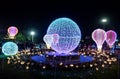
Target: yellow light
<point>28,63</point>
<point>103,65</point>
<point>71,65</point>
<point>44,67</point>
<point>84,66</point>
<point>48,46</point>
<point>76,66</point>
<point>27,67</point>
<point>95,64</point>
<point>66,66</point>
<point>8,62</point>
<point>97,69</point>
<point>110,63</point>
<point>22,62</point>
<point>91,65</point>
<point>61,64</point>
<point>105,62</point>
<point>15,62</point>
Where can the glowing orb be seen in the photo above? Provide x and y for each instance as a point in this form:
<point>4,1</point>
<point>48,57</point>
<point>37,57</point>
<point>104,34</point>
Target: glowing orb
<point>99,36</point>
<point>111,37</point>
<point>12,31</point>
<point>10,48</point>
<point>63,35</point>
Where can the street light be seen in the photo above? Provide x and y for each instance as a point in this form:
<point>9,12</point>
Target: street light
<point>104,20</point>
<point>32,33</point>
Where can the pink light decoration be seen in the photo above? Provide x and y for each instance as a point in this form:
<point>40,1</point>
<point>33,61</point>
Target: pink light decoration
<point>111,37</point>
<point>55,38</point>
<point>99,36</point>
<point>51,39</point>
<point>12,31</point>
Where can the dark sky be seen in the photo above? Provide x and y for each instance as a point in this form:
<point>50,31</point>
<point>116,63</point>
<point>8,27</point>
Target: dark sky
<point>37,15</point>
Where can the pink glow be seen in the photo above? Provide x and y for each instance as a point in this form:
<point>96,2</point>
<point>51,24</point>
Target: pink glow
<point>111,37</point>
<point>12,31</point>
<point>99,36</point>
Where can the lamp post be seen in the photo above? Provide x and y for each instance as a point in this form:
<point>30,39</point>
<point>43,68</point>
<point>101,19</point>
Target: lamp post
<point>32,33</point>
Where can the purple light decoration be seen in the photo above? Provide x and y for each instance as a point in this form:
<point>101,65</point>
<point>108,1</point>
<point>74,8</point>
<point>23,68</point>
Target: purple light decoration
<point>111,37</point>
<point>65,35</point>
<point>99,36</point>
<point>12,31</point>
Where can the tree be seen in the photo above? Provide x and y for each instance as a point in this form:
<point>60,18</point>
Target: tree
<point>20,37</point>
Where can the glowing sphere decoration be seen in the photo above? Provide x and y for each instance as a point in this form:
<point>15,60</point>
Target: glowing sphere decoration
<point>99,36</point>
<point>10,48</point>
<point>65,35</point>
<point>12,31</point>
<point>111,37</point>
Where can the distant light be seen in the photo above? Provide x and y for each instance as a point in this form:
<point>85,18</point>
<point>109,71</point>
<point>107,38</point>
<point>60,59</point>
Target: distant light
<point>32,33</point>
<point>104,20</point>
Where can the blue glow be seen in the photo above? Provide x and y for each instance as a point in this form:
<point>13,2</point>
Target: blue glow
<point>10,48</point>
<point>42,59</point>
<point>38,58</point>
<point>66,34</point>
<point>84,59</point>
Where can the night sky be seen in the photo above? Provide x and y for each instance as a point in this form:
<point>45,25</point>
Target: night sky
<point>37,15</point>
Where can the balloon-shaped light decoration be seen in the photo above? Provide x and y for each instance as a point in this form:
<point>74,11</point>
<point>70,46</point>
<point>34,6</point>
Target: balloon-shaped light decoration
<point>48,39</point>
<point>99,36</point>
<point>111,37</point>
<point>10,48</point>
<point>65,35</point>
<point>51,38</point>
<point>12,31</point>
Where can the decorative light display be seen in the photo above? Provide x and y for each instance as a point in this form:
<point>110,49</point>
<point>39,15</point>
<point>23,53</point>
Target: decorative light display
<point>65,35</point>
<point>10,48</point>
<point>48,39</point>
<point>12,31</point>
<point>111,37</point>
<point>99,36</point>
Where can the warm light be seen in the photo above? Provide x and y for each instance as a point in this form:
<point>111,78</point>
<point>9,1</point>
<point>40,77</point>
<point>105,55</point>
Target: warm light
<point>44,67</point>
<point>71,65</point>
<point>61,64</point>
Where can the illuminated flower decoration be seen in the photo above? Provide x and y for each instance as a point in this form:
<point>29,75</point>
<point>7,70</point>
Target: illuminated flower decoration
<point>65,35</point>
<point>111,37</point>
<point>99,36</point>
<point>10,48</point>
<point>12,31</point>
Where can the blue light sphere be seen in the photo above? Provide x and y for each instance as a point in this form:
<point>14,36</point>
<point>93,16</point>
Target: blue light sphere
<point>10,48</point>
<point>65,33</point>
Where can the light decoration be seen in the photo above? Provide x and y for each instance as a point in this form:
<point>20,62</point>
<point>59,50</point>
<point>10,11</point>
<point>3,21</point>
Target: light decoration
<point>27,64</point>
<point>51,38</point>
<point>99,36</point>
<point>10,48</point>
<point>63,35</point>
<point>111,37</point>
<point>12,31</point>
